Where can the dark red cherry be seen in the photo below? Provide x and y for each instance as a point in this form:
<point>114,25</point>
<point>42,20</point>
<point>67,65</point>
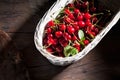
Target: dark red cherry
<point>67,11</point>
<point>62,27</point>
<point>48,30</point>
<point>70,29</point>
<point>50,23</point>
<point>67,36</point>
<point>49,49</point>
<point>63,42</point>
<point>80,18</point>
<point>50,36</point>
<point>76,11</point>
<point>59,48</point>
<point>81,24</point>
<point>86,42</point>
<point>58,34</point>
<point>87,15</point>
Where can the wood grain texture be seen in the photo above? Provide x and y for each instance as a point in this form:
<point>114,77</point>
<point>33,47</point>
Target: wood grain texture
<point>19,20</point>
<point>11,66</point>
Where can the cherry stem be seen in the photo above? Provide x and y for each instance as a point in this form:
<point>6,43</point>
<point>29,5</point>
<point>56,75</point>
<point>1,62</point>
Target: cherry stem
<point>87,6</point>
<point>97,14</point>
<point>92,36</point>
<point>56,21</point>
<point>88,38</point>
<point>69,42</point>
<point>99,27</point>
<point>76,37</point>
<point>98,21</point>
<point>80,1</point>
<point>44,47</point>
<point>107,15</point>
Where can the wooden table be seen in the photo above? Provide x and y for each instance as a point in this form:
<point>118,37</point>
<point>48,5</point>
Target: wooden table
<point>19,19</point>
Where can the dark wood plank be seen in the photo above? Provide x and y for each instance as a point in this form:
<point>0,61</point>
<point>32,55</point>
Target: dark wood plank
<point>11,65</point>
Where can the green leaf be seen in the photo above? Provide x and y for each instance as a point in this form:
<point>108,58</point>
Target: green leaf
<point>71,9</point>
<point>70,51</point>
<point>56,21</point>
<point>74,51</point>
<point>81,35</point>
<point>82,43</point>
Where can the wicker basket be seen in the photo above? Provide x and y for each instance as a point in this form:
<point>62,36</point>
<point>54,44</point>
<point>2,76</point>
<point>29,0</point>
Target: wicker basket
<point>54,11</point>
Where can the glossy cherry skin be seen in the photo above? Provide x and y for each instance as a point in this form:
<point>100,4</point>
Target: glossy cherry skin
<point>87,15</point>
<point>58,34</point>
<point>50,41</point>
<point>70,29</point>
<point>88,23</point>
<point>67,11</point>
<point>81,24</point>
<point>63,42</point>
<point>49,49</point>
<point>86,42</point>
<point>67,36</point>
<point>76,11</point>
<point>51,23</point>
<point>48,30</point>
<point>62,27</point>
<point>50,36</point>
<point>80,18</point>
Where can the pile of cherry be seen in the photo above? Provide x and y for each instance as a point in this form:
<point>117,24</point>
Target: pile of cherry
<point>74,28</point>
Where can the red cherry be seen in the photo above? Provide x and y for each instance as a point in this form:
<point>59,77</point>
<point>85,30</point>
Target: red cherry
<point>59,49</point>
<point>75,23</point>
<point>50,36</point>
<point>67,20</point>
<point>76,28</point>
<point>48,30</point>
<point>63,42</point>
<point>67,11</point>
<point>49,49</point>
<point>82,14</point>
<point>71,16</point>
<point>76,11</point>
<point>87,16</point>
<point>62,27</point>
<point>55,41</point>
<point>70,29</point>
<point>77,46</point>
<point>80,18</point>
<point>81,24</point>
<point>50,23</point>
<point>50,41</point>
<point>94,19</point>
<point>86,42</point>
<point>74,38</point>
<point>92,28</point>
<point>58,34</point>
<point>70,5</point>
<point>85,4</point>
<point>88,23</point>
<point>67,36</point>
<point>92,9</point>
<point>96,30</point>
